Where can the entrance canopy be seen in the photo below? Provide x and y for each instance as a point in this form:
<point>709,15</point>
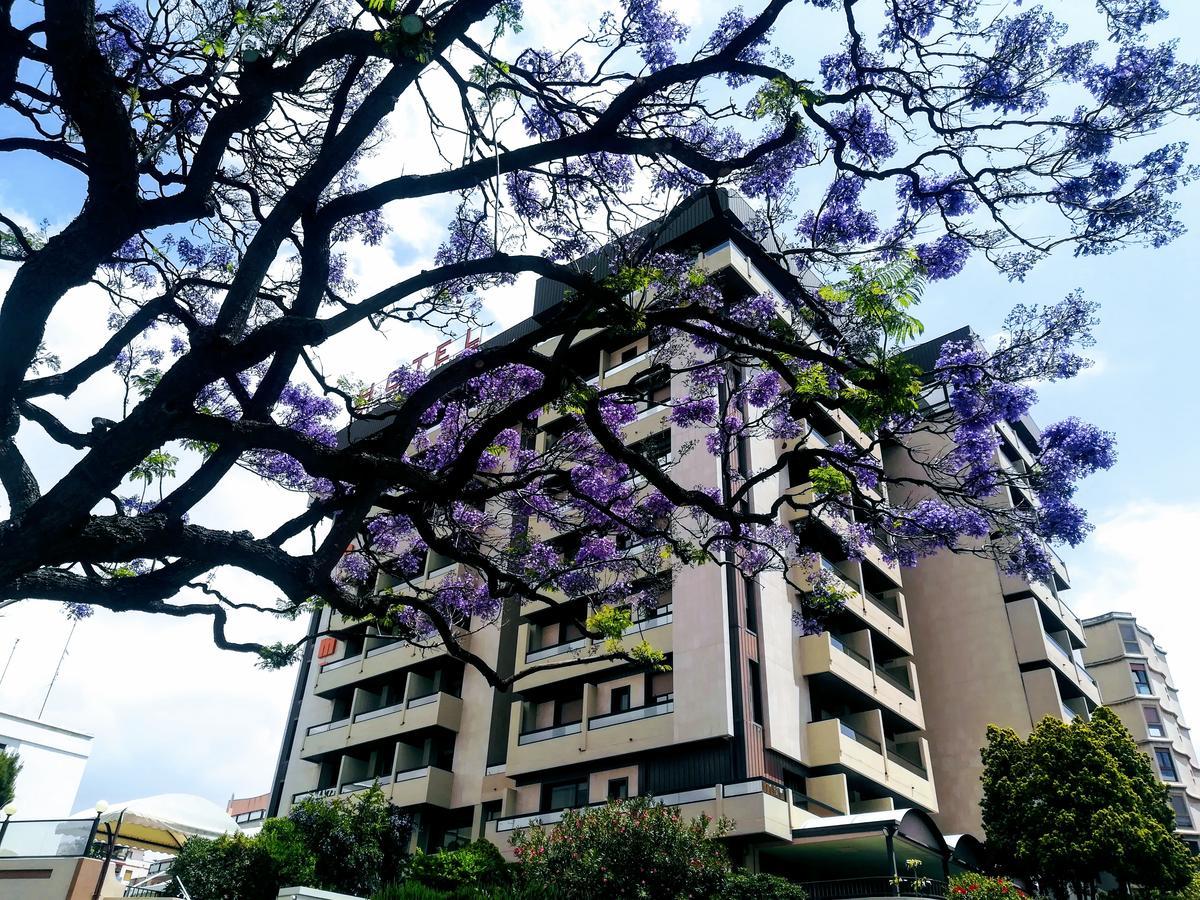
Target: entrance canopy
<point>163,822</point>
<point>871,852</point>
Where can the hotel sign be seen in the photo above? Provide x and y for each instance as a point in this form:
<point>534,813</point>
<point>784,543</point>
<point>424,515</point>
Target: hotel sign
<point>431,359</point>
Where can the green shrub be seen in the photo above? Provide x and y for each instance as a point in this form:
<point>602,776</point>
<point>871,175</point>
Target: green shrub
<point>409,890</point>
<point>625,849</point>
<point>231,867</point>
<point>478,864</point>
<point>761,886</point>
<point>10,768</point>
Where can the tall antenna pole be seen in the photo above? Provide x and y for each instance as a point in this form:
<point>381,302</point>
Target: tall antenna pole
<point>57,669</point>
<point>11,654</point>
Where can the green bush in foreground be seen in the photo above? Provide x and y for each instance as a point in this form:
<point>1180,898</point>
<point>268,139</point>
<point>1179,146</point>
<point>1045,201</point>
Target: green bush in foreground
<point>761,886</point>
<point>973,886</point>
<point>478,864</point>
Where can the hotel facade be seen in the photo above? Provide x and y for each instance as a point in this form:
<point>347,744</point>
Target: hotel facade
<point>832,753</point>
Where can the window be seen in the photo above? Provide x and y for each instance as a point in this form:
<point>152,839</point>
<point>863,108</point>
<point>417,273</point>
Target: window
<point>1183,816</point>
<point>749,589</point>
<point>1166,764</point>
<point>618,789</point>
<point>1141,679</point>
<point>662,686</point>
<point>629,353</point>
<point>1130,639</point>
<point>619,699</point>
<point>1154,723</point>
<point>565,795</point>
<point>568,711</point>
<point>756,707</point>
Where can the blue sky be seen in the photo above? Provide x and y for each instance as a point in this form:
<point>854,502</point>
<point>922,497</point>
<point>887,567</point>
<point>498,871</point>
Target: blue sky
<point>171,713</point>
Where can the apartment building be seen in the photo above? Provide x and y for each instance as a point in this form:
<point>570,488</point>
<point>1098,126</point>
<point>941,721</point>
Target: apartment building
<point>1135,682</point>
<point>991,647</point>
<point>802,740</point>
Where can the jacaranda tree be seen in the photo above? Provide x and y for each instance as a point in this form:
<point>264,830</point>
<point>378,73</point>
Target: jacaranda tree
<point>221,145</point>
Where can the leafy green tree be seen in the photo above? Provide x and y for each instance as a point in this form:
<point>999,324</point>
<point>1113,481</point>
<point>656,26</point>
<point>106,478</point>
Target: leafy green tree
<point>625,849</point>
<point>10,767</point>
<point>360,842</point>
<point>292,859</point>
<point>1077,800</point>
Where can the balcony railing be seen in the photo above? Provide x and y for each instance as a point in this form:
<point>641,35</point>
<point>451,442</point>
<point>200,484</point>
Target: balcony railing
<point>874,886</point>
<point>649,711</point>
<point>839,644</point>
<point>662,616</point>
<point>889,606</point>
<point>365,784</point>
<point>556,649</point>
<point>327,726</point>
<point>549,734</point>
<point>344,661</point>
<point>860,737</point>
<point>379,713</point>
<point>904,762</point>
<point>902,684</point>
<point>628,364</point>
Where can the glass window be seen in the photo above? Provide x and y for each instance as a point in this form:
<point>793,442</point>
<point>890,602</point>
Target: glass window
<point>567,795</point>
<point>1166,764</point>
<point>1130,639</point>
<point>756,705</point>
<point>1141,679</point>
<point>750,589</point>
<point>1183,816</point>
<point>618,789</point>
<point>619,701</point>
<point>1154,724</point>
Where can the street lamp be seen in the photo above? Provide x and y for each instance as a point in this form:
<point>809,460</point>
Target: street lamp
<point>10,810</point>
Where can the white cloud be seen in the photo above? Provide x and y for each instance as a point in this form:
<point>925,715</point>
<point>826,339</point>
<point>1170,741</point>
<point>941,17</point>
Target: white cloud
<point>1136,561</point>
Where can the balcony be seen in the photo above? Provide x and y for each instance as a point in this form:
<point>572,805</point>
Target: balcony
<point>656,628</point>
<point>425,785</point>
<point>433,710</point>
<point>1054,605</point>
<point>1035,645</point>
<point>382,655</point>
<point>883,611</point>
<point>592,736</point>
<point>549,734</point>
<point>648,711</point>
<point>827,655</point>
<point>833,742</point>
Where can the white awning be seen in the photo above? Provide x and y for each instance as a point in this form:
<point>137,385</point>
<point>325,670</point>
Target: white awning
<point>163,822</point>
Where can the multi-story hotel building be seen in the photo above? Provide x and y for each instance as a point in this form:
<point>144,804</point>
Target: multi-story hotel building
<point>991,647</point>
<point>1135,681</point>
<point>801,740</point>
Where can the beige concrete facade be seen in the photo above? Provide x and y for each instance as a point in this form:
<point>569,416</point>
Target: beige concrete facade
<point>1135,682</point>
<point>991,648</point>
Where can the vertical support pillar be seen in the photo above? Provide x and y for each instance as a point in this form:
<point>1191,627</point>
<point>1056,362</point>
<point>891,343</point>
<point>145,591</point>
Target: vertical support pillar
<point>889,834</point>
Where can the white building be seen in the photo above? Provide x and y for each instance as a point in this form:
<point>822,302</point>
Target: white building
<point>52,764</point>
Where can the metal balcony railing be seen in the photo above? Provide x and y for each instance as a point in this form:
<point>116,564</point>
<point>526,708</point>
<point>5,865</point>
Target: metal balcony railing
<point>875,886</point>
<point>549,734</point>
<point>649,711</point>
<point>860,737</point>
<point>902,684</point>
